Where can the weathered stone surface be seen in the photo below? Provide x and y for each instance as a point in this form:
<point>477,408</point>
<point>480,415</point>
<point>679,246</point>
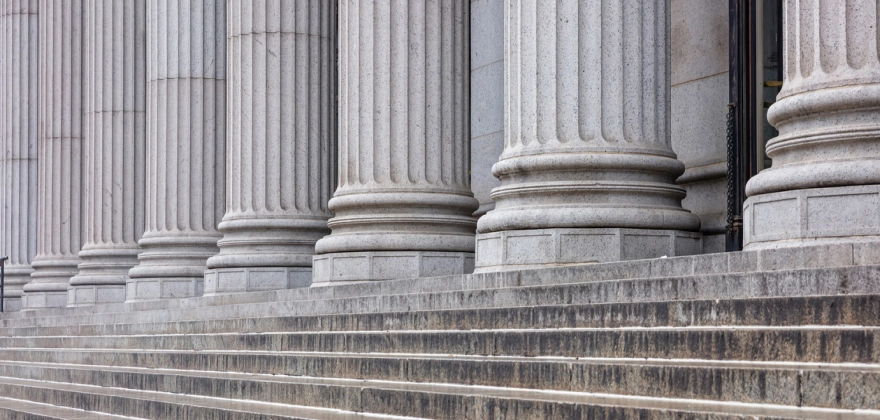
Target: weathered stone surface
<point>282,139</point>
<point>826,160</point>
<point>62,102</point>
<point>19,121</point>
<point>115,150</point>
<point>186,147</point>
<point>403,141</point>
<point>587,125</point>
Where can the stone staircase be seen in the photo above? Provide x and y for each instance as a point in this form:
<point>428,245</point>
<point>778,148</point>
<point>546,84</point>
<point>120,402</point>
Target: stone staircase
<point>772,334</point>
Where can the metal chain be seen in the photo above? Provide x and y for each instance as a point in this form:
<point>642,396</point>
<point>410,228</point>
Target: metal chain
<point>731,185</point>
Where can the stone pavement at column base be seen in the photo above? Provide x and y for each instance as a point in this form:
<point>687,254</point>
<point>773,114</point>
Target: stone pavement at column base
<point>777,333</point>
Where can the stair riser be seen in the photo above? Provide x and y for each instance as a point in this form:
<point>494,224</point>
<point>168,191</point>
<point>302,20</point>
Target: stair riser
<point>8,414</point>
<point>813,388</point>
<point>124,406</point>
<point>798,345</point>
<point>431,405</point>
<point>836,310</point>
<point>853,280</point>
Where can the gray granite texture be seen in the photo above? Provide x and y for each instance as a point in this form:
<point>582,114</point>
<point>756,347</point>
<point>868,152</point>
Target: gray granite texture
<point>60,204</point>
<point>487,97</point>
<point>587,126</point>
<point>186,147</point>
<point>826,159</point>
<point>403,140</point>
<point>19,128</point>
<point>115,150</point>
<point>281,139</point>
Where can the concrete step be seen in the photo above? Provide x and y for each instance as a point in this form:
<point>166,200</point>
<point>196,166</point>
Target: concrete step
<point>822,256</point>
<point>12,409</point>
<point>837,344</point>
<point>840,386</point>
<point>858,310</point>
<point>794,283</point>
<point>393,397</point>
<point>163,405</point>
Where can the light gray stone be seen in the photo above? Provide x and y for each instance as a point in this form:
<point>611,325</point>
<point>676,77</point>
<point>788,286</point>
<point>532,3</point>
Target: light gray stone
<point>115,141</point>
<point>354,266</point>
<point>60,206</point>
<point>282,139</point>
<point>487,97</point>
<point>515,250</point>
<point>823,186</point>
<point>587,135</point>
<point>19,120</point>
<point>186,145</point>
<point>403,141</point>
<point>699,40</point>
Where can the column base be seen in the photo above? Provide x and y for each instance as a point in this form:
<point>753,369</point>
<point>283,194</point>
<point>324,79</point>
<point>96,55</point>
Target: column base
<point>44,299</point>
<point>12,304</point>
<point>87,295</point>
<point>221,281</point>
<point>813,216</point>
<point>163,288</point>
<point>536,248</point>
<point>389,265</point>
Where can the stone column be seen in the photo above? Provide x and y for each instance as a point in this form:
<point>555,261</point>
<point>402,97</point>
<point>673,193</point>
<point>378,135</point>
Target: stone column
<point>186,146</point>
<point>824,186</point>
<point>18,143</point>
<point>403,205</point>
<point>59,214</point>
<point>280,146</point>
<point>114,149</point>
<point>587,173</point>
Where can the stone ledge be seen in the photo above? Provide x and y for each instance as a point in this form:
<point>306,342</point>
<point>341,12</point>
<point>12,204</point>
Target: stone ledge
<point>523,249</point>
<point>359,266</point>
<point>220,281</point>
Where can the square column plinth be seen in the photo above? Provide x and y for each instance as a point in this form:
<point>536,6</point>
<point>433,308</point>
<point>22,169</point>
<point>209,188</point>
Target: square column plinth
<point>355,266</point>
<point>519,249</point>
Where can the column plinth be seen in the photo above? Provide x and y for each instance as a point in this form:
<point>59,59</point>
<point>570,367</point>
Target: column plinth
<point>59,211</point>
<point>824,185</point>
<point>403,205</point>
<point>19,98</point>
<point>186,147</point>
<point>114,150</point>
<point>281,143</point>
<point>587,173</point>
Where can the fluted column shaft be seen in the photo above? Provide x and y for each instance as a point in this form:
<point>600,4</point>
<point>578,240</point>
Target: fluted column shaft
<point>404,154</point>
<point>281,143</point>
<point>19,63</point>
<point>824,185</point>
<point>114,149</point>
<point>59,214</point>
<point>186,146</point>
<point>587,137</point>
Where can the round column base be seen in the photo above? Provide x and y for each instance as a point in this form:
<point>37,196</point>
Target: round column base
<point>95,294</point>
<point>388,265</point>
<point>813,216</point>
<point>536,248</point>
<point>155,288</point>
<point>222,281</point>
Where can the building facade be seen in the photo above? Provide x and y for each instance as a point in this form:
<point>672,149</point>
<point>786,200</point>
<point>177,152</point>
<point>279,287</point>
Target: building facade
<point>159,149</point>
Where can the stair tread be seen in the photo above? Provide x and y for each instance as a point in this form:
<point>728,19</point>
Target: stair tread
<point>202,401</point>
<point>54,411</point>
<point>586,398</point>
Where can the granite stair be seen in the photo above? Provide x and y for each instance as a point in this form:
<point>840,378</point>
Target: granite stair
<point>654,339</point>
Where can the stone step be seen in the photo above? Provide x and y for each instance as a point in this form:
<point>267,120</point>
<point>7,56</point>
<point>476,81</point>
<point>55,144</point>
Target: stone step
<point>821,256</point>
<point>12,409</point>
<point>794,283</point>
<point>163,405</point>
<point>429,400</point>
<point>863,310</point>
<point>841,386</point>
<point>838,344</point>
